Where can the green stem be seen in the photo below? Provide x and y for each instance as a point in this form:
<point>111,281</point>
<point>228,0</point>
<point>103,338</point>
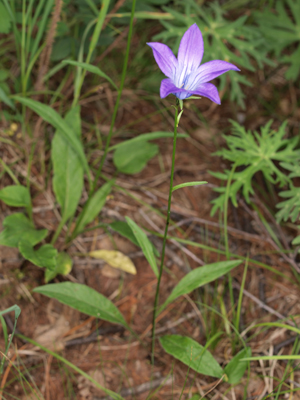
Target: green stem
<point>118,98</point>
<point>165,234</point>
<point>226,236</point>
<point>57,232</point>
<point>9,171</point>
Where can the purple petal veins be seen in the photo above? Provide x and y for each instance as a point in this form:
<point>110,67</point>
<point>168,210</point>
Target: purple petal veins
<point>186,77</point>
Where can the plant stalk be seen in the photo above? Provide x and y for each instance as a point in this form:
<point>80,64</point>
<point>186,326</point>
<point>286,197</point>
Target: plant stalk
<point>165,234</point>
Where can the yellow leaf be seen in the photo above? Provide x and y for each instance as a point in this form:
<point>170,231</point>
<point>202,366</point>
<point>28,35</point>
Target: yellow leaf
<point>115,259</point>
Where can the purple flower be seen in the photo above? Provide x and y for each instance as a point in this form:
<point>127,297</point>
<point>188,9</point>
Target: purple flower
<point>185,76</point>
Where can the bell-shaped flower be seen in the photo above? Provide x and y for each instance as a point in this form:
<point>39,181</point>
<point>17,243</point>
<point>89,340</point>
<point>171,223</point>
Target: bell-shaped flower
<point>186,77</point>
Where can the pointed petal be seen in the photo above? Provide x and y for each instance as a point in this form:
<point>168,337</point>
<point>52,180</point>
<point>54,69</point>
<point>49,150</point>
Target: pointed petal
<point>164,57</point>
<point>191,48</point>
<point>212,69</point>
<point>167,87</point>
<point>208,90</point>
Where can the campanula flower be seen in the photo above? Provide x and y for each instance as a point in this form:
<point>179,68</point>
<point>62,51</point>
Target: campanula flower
<point>186,77</point>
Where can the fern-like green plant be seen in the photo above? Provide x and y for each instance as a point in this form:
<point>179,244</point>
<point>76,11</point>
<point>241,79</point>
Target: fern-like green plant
<point>283,24</point>
<point>290,208</point>
<point>232,41</point>
<point>251,152</point>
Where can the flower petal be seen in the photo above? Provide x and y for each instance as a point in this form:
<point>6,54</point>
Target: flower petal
<point>164,57</point>
<point>191,48</point>
<point>167,87</point>
<point>208,90</point>
<point>209,71</point>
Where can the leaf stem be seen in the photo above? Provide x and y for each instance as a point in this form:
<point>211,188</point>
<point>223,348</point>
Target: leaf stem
<point>58,230</point>
<point>166,233</point>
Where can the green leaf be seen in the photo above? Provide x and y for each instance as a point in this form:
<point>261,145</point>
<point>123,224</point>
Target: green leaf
<point>199,277</point>
<point>5,19</point>
<point>16,227</point>
<point>6,100</point>
<point>45,256</point>
<point>122,228</point>
<point>191,354</point>
<point>63,266</point>
<point>145,137</point>
<point>144,244</point>
<point>91,68</point>
<point>182,185</point>
<point>131,158</point>
<point>15,196</point>
<point>67,168</point>
<point>53,118</point>
<point>84,299</point>
<point>236,368</point>
<point>94,206</point>
<point>296,241</point>
<point>253,152</point>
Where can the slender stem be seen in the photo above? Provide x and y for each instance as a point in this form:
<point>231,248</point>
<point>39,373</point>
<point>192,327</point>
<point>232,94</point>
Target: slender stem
<point>226,236</point>
<point>165,234</point>
<point>118,98</point>
<point>57,232</point>
<point>226,210</point>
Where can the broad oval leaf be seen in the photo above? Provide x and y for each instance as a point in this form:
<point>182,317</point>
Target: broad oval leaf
<point>16,227</point>
<point>115,259</point>
<point>144,244</point>
<point>199,277</point>
<point>15,196</point>
<point>45,256</point>
<point>67,168</point>
<point>84,299</point>
<point>91,68</point>
<point>191,354</point>
<point>236,368</point>
<point>51,116</point>
<point>94,206</point>
<point>131,158</point>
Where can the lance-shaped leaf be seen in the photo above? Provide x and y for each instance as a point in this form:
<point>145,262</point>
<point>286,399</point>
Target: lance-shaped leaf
<point>94,206</point>
<point>191,354</point>
<point>67,168</point>
<point>16,227</point>
<point>84,299</point>
<point>199,277</point>
<point>144,243</point>
<point>44,257</point>
<point>15,196</point>
<point>91,68</point>
<point>51,116</point>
